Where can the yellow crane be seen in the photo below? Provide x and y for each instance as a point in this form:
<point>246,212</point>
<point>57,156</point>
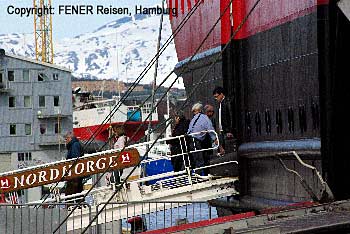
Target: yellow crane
<point>43,32</point>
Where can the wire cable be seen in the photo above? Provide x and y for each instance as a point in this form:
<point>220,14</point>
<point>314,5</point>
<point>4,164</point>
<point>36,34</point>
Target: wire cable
<point>131,88</point>
<point>144,72</point>
<point>192,92</point>
<point>147,151</point>
<point>240,26</point>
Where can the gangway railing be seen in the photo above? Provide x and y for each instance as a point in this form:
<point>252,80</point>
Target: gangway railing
<point>152,186</point>
<point>90,164</point>
<point>187,185</point>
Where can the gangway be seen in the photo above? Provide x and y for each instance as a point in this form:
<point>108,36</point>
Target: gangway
<point>187,185</point>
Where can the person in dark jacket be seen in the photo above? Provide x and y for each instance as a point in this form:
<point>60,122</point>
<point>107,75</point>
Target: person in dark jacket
<point>74,150</point>
<point>73,146</point>
<point>225,125</point>
<point>180,128</point>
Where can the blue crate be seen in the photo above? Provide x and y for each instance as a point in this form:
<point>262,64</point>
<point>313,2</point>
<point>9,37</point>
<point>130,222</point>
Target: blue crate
<point>158,167</point>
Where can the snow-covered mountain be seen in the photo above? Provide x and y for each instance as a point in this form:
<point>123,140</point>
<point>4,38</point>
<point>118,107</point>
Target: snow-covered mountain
<point>119,49</point>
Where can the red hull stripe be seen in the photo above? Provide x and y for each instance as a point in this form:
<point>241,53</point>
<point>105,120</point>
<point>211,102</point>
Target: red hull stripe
<point>202,223</point>
<point>182,6</point>
<point>225,21</point>
<point>84,133</point>
<point>189,38</point>
<point>189,5</point>
<point>170,5</point>
<point>322,2</point>
<point>269,14</point>
<point>176,5</point>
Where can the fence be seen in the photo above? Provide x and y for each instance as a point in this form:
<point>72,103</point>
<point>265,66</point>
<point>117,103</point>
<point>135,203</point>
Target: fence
<point>38,219</point>
<point>116,218</point>
<point>146,216</point>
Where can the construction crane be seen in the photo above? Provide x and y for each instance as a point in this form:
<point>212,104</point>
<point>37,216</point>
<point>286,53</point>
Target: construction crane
<point>43,32</point>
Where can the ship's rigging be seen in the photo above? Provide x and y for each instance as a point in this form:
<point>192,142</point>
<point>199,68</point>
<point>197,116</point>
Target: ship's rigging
<point>111,196</point>
<point>259,151</point>
<point>132,87</point>
<point>168,120</point>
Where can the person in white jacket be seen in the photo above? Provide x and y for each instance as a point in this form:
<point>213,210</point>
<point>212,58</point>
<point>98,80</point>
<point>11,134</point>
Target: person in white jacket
<point>121,138</point>
<point>121,141</point>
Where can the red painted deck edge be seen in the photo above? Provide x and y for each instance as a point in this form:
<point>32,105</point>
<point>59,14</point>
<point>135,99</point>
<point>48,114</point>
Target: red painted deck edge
<point>201,223</point>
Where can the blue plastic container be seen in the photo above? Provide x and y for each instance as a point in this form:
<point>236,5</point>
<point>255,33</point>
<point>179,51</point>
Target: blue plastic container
<point>158,167</point>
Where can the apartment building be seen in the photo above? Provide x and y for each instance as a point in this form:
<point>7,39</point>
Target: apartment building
<point>35,111</point>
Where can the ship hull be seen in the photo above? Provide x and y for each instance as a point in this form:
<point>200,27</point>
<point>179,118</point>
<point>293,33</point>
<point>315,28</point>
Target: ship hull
<point>96,136</point>
<point>279,72</point>
<point>276,83</point>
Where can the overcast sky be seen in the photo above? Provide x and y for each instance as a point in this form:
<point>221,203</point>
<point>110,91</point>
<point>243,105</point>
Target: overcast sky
<point>64,25</point>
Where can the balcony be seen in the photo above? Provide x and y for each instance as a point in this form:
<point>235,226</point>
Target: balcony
<point>4,87</point>
<point>47,140</point>
<point>55,113</point>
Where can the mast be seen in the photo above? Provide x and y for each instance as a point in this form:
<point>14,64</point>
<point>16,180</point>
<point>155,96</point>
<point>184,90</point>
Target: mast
<point>154,85</point>
<point>116,48</point>
<point>168,129</point>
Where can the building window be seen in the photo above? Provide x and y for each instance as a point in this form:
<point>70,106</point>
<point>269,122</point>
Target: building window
<point>56,101</point>
<point>24,156</point>
<point>42,128</point>
<point>28,129</point>
<point>27,101</point>
<point>12,129</point>
<point>55,76</point>
<point>20,157</point>
<point>28,156</point>
<point>12,101</point>
<point>42,77</point>
<point>25,75</point>
<point>58,128</point>
<point>2,85</point>
<point>41,101</point>
<point>11,76</point>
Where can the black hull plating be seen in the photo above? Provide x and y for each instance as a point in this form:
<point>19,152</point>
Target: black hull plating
<point>290,94</point>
